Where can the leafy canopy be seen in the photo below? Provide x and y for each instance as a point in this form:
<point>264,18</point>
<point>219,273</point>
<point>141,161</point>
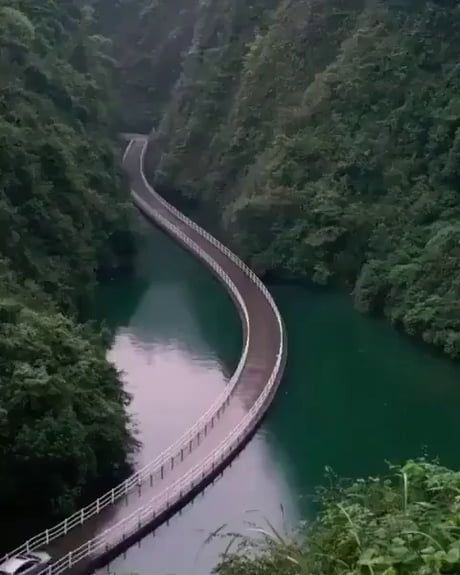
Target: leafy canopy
<point>63,227</point>
<point>325,136</point>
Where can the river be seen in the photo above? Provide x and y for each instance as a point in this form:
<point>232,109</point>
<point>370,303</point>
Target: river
<point>355,394</point>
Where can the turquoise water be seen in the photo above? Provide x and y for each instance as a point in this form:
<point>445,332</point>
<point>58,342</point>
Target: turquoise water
<point>355,394</point>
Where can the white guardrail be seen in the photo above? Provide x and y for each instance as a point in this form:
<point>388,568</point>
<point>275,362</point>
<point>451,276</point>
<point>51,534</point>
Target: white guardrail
<point>157,469</point>
<point>172,494</point>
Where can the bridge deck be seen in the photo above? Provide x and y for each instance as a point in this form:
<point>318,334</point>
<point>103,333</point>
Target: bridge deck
<point>265,338</point>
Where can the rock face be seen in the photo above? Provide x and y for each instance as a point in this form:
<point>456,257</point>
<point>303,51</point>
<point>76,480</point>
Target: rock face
<point>326,137</point>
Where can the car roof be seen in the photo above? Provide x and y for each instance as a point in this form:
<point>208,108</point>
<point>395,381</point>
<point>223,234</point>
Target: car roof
<point>12,565</point>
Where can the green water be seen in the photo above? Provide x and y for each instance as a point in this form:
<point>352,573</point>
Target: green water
<point>165,321</point>
<point>358,393</point>
<point>355,393</point>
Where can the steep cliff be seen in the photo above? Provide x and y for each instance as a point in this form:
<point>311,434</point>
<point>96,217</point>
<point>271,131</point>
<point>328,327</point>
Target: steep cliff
<point>326,135</point>
<point>150,39</point>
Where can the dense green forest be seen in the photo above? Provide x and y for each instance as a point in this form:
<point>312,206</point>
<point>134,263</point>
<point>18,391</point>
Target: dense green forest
<point>150,38</point>
<point>403,524</point>
<point>325,136</point>
<point>64,225</point>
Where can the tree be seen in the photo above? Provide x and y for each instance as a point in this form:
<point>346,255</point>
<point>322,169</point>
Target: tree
<point>64,226</point>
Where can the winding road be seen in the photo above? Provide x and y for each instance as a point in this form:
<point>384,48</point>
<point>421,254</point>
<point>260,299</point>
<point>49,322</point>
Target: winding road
<point>100,531</point>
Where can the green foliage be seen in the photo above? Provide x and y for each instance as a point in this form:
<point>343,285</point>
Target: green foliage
<point>58,227</point>
<point>204,94</point>
<point>326,135</point>
<point>63,424</point>
<point>63,226</point>
<point>406,524</point>
<point>149,37</point>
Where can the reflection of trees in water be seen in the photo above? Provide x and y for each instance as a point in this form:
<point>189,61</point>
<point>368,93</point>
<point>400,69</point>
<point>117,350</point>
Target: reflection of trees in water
<point>187,306</point>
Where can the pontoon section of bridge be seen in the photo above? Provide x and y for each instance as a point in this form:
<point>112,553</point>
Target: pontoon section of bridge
<point>94,534</point>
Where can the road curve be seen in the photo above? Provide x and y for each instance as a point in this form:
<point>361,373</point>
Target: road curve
<point>166,486</point>
<point>266,334</point>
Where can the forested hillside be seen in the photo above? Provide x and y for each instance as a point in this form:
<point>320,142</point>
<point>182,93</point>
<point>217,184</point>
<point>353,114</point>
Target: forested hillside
<point>63,225</point>
<point>150,38</point>
<point>327,137</point>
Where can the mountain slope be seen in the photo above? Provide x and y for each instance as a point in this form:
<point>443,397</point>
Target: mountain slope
<point>63,226</point>
<point>327,136</point>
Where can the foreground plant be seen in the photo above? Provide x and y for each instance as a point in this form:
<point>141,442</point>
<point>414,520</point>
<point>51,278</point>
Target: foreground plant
<point>406,523</point>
